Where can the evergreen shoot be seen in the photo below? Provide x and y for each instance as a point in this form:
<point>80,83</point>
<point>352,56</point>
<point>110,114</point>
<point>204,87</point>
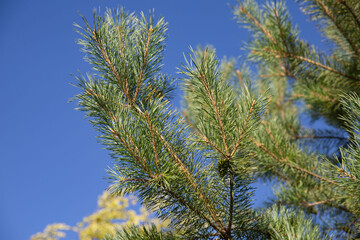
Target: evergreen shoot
<point>196,168</point>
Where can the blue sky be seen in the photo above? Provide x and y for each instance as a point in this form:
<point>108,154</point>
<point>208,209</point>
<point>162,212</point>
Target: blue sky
<point>52,168</point>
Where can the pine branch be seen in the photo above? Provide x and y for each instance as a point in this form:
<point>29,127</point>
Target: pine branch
<point>342,172</point>
<point>201,179</point>
<point>257,23</point>
<point>344,33</point>
<point>115,133</point>
<point>319,202</point>
<point>194,209</point>
<point>273,139</point>
<point>280,29</point>
<point>189,177</point>
<point>307,60</point>
<point>153,140</point>
<point>173,154</point>
<point>139,82</point>
<point>110,64</point>
<point>243,132</point>
<point>318,137</point>
<point>356,18</point>
<point>203,137</point>
<point>122,52</point>
<point>191,180</point>
<point>139,110</point>
<point>286,162</point>
<point>201,76</point>
<point>231,206</point>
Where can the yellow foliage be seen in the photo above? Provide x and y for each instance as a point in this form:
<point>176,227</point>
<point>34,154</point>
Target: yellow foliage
<point>52,232</point>
<point>102,222</point>
<point>111,215</point>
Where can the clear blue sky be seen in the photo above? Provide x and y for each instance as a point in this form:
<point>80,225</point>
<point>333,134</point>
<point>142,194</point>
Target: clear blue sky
<point>52,168</point>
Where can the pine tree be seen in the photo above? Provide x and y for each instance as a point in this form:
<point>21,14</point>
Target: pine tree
<point>196,169</point>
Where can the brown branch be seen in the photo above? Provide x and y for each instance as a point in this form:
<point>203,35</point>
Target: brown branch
<point>323,66</point>
<point>273,75</point>
<point>92,93</point>
<point>167,145</point>
<point>317,137</point>
<point>357,20</point>
<point>324,97</point>
<point>321,96</point>
<point>138,157</point>
<point>337,25</point>
<point>122,52</point>
<point>190,178</point>
<point>182,167</point>
<point>280,29</point>
<point>144,63</point>
<point>319,202</point>
<point>204,138</point>
<point>231,207</point>
<point>153,140</point>
<point>286,162</point>
<point>281,176</point>
<point>191,207</point>
<point>217,113</point>
<point>111,65</point>
<point>273,139</point>
<point>179,163</point>
<point>133,180</point>
<point>256,22</point>
<point>311,173</point>
<point>180,199</point>
<point>267,151</point>
<point>342,171</point>
<point>245,126</point>
<point>317,64</point>
<point>283,67</point>
<point>238,74</point>
<point>120,36</point>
